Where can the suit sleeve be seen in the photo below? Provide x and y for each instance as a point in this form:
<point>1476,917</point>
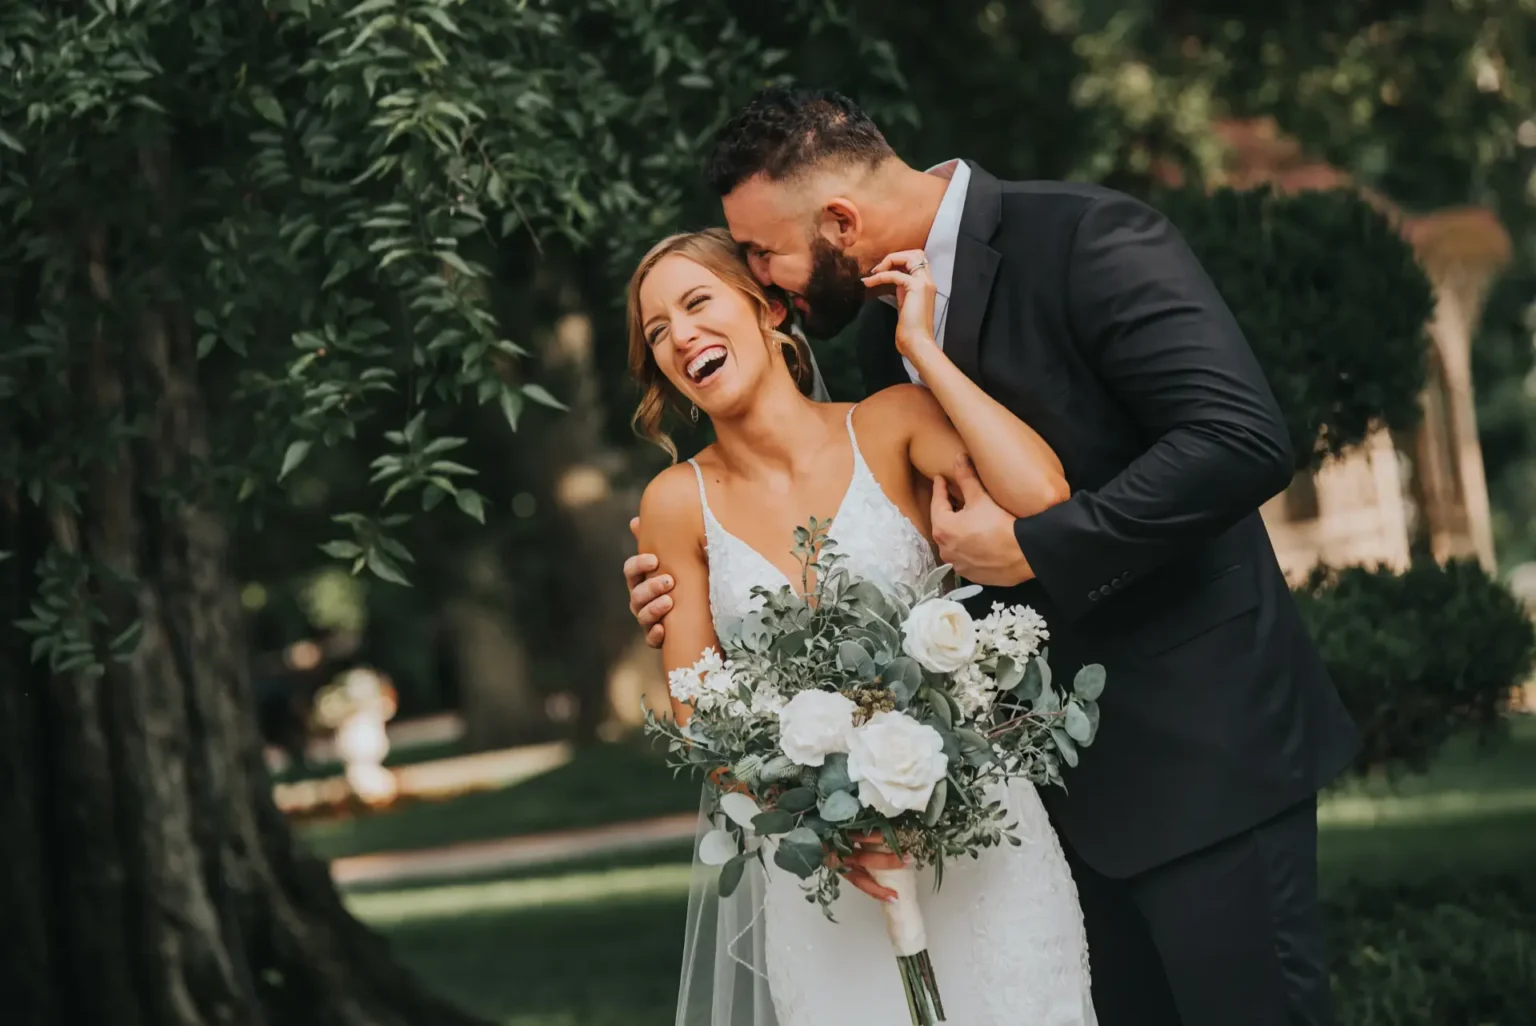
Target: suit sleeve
<point>1152,325</point>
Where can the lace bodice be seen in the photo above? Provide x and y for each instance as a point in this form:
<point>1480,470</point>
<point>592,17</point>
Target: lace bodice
<point>877,541</point>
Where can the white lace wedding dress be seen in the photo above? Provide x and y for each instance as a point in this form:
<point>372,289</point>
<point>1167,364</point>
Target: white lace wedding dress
<point>1005,932</point>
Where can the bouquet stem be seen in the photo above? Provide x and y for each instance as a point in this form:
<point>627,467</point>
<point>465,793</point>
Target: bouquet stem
<point>909,939</point>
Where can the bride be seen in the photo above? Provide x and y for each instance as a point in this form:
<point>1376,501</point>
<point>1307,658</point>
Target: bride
<point>1005,931</point>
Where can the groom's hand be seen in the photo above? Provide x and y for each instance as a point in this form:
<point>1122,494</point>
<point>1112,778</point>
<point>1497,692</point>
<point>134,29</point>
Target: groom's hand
<point>648,598</point>
<point>977,539</point>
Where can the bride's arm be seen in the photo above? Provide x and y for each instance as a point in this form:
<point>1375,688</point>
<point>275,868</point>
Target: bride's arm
<point>1019,469</point>
<point>672,527</point>
<point>954,416</point>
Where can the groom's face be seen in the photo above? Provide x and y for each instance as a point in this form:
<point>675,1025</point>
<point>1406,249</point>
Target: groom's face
<point>803,253</point>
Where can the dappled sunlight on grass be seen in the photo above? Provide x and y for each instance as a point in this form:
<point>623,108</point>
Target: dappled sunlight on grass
<point>497,897</point>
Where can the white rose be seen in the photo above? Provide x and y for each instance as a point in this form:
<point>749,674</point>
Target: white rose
<point>896,762</point>
<point>939,634</point>
<point>813,725</point>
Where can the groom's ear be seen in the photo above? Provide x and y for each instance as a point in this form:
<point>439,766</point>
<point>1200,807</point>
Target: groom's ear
<point>841,221</point>
<point>778,310</point>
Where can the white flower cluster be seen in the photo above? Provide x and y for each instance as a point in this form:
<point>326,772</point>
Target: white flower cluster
<point>974,691</point>
<point>895,760</point>
<point>713,684</point>
<point>941,636</point>
<point>1013,631</point>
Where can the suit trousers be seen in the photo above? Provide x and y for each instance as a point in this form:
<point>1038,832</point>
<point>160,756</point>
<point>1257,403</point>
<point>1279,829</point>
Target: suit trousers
<point>1228,936</point>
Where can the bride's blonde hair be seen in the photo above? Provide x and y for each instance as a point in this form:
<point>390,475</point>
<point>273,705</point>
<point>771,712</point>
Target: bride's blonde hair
<point>715,250</point>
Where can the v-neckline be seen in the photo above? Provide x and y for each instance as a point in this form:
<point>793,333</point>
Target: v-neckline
<point>853,480</point>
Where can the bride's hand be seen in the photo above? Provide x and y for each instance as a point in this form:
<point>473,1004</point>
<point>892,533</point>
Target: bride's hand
<point>870,852</point>
<point>907,271</point>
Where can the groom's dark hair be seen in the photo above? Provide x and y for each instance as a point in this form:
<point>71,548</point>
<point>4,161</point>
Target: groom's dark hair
<point>782,132</point>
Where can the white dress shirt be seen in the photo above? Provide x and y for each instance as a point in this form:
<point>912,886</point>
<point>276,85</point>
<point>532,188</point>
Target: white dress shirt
<point>943,239</point>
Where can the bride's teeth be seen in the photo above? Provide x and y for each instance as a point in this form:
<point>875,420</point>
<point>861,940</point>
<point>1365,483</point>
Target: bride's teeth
<point>703,359</point>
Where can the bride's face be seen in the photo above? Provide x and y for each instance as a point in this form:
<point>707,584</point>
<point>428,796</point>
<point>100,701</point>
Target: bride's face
<point>704,335</point>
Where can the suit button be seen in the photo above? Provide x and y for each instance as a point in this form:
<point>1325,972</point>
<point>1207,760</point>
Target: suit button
<point>1093,596</point>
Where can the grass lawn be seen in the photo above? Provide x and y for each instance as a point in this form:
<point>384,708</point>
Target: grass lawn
<point>604,784</point>
<point>597,944</point>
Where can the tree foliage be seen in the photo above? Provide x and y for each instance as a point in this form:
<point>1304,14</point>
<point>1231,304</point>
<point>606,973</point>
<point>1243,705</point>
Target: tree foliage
<point>1331,299</point>
<point>309,195</point>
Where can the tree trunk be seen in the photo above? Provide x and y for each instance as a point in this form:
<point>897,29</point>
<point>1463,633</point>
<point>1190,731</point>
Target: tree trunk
<point>151,881</point>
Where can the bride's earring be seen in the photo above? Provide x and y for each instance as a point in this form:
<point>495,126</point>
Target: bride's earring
<point>693,414</point>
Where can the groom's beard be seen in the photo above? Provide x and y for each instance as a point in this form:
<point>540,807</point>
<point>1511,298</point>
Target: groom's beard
<point>835,293</point>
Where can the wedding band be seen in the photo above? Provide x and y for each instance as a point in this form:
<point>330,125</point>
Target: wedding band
<point>917,267</point>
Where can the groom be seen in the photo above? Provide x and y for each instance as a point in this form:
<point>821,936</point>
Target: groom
<point>1191,823</point>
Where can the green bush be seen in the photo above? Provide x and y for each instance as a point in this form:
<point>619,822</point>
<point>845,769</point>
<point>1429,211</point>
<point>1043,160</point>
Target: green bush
<point>1329,296</point>
<point>1450,953</point>
<point>1418,656</point>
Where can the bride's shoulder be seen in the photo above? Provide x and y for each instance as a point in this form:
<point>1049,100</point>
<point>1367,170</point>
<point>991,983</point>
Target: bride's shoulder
<point>673,492</point>
<point>908,404</point>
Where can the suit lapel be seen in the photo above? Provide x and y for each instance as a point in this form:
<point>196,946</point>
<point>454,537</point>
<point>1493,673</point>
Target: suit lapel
<point>975,270</point>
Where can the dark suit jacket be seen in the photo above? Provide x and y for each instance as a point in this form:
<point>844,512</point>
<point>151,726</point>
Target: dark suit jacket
<point>1084,312</point>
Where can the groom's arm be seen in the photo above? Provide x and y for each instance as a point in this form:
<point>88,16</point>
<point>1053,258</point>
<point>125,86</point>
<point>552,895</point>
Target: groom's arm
<point>1151,323</point>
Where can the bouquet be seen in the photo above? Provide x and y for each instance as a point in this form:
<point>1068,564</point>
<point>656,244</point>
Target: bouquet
<point>838,711</point>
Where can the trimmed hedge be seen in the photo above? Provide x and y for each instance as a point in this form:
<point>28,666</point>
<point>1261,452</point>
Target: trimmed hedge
<point>1330,298</point>
<point>1446,953</point>
<point>1418,656</point>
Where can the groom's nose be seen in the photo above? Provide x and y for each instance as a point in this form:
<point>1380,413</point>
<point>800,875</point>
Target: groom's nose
<point>758,265</point>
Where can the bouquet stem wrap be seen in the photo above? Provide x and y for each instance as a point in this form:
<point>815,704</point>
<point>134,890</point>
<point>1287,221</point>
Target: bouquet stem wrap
<point>909,940</point>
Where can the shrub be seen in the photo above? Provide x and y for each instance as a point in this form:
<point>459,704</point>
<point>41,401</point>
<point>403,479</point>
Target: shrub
<point>1437,954</point>
<point>1418,656</point>
<point>1330,298</point>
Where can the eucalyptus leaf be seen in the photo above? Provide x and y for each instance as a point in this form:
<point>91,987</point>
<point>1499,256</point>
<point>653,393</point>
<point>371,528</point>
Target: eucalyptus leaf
<point>903,677</point>
<point>740,808</point>
<point>1029,687</point>
<point>717,848</point>
<point>1088,685</point>
<point>1076,724</point>
<point>833,776</point>
<point>773,822</point>
<point>799,853</point>
<point>731,874</point>
<point>839,807</point>
<point>1065,745</point>
<point>936,803</point>
<point>1009,673</point>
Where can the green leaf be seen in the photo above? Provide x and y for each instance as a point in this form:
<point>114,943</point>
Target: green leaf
<point>839,807</point>
<point>267,106</point>
<point>731,873</point>
<point>1009,673</point>
<point>800,853</point>
<point>342,549</point>
<point>10,142</point>
<point>541,396</point>
<point>834,775</point>
<point>1065,745</point>
<point>1088,685</point>
<point>773,822</point>
<point>936,803</point>
<point>1077,724</point>
<point>294,456</point>
<point>126,643</point>
<point>1029,686</point>
<point>853,657</point>
<point>798,800</point>
<point>904,677</point>
<point>511,406</point>
<point>385,568</point>
<point>470,502</point>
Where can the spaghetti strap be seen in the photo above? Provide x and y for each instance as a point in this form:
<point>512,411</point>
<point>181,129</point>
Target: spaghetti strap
<point>698,475</point>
